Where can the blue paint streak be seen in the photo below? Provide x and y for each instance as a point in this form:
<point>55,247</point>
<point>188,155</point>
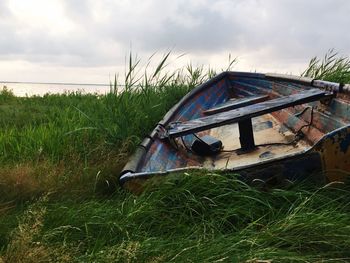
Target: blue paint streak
<point>344,144</point>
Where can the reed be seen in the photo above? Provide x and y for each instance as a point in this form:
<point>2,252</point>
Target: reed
<point>57,127</point>
<point>331,67</point>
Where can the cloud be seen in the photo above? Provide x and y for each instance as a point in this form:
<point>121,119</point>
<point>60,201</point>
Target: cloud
<point>197,30</point>
<point>99,33</point>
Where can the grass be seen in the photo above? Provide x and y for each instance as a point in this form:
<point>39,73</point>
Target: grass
<point>60,156</point>
<point>331,67</point>
<point>206,218</point>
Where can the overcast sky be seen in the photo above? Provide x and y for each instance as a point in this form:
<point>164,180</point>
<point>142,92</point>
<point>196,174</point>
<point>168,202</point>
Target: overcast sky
<point>87,41</point>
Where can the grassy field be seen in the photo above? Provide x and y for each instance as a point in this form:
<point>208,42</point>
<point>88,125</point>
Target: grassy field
<point>59,199</point>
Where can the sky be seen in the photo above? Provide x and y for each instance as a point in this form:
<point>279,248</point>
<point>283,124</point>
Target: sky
<point>87,41</point>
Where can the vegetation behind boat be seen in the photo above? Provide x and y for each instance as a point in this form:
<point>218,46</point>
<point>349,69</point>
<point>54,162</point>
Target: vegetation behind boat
<point>59,154</point>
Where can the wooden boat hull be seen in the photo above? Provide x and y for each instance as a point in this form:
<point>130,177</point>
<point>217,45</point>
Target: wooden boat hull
<point>323,152</point>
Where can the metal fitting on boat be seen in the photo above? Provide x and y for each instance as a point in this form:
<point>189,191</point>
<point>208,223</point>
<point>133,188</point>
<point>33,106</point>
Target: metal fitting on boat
<point>327,85</point>
<point>331,86</point>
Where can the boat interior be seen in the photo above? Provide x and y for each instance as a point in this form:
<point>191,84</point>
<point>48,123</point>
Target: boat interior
<point>243,120</point>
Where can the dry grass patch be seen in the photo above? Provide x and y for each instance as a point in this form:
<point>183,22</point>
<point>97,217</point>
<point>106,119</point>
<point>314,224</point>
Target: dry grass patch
<point>26,245</point>
<point>27,181</point>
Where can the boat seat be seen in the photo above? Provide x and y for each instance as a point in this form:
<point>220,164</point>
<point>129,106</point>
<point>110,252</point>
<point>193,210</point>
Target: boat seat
<point>243,116</point>
<point>232,104</point>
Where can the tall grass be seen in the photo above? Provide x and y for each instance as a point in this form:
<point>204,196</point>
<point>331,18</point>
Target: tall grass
<point>60,153</point>
<point>57,127</point>
<point>331,67</point>
<point>74,141</point>
<point>193,217</point>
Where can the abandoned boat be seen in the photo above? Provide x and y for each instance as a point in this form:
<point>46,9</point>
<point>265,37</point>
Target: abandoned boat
<point>266,127</point>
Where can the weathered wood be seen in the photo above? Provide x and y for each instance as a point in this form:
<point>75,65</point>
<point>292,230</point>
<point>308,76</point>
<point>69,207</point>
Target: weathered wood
<point>235,104</point>
<point>246,136</point>
<point>236,115</point>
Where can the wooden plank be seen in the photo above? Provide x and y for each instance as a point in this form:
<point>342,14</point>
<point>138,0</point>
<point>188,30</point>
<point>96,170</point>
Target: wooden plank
<point>236,103</point>
<point>236,115</point>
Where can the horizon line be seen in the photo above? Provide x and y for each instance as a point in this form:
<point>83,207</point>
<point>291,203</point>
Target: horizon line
<point>57,83</point>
